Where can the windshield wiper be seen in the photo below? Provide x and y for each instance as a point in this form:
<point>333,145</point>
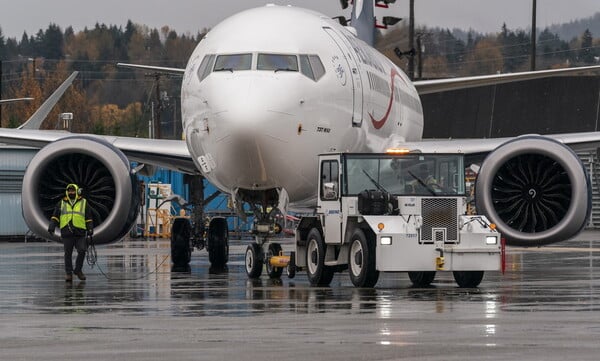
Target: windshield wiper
<point>224,69</point>
<point>421,182</point>
<point>285,69</point>
<point>379,186</point>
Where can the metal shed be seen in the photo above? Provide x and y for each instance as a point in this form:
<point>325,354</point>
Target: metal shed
<point>13,162</point>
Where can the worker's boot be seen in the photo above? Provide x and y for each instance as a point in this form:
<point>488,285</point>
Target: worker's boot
<point>68,277</point>
<point>80,275</point>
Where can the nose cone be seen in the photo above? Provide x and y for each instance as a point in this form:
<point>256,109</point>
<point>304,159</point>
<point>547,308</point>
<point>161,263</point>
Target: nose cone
<point>249,129</point>
<point>248,103</point>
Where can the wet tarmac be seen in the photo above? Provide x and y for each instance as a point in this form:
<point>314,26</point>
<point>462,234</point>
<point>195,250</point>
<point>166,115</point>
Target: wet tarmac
<point>545,307</point>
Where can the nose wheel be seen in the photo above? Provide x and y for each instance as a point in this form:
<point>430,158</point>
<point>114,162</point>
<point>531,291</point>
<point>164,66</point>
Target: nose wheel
<point>274,260</point>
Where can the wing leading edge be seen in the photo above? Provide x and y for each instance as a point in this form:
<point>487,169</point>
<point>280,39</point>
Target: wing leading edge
<point>441,85</point>
<point>579,142</point>
<point>170,154</point>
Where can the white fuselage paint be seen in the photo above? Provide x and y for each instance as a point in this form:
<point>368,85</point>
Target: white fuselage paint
<point>256,129</point>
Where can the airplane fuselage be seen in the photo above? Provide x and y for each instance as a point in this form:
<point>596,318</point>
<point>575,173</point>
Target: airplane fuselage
<point>269,89</point>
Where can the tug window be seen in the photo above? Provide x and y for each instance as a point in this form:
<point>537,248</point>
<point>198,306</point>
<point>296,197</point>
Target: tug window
<point>329,179</point>
<point>277,62</point>
<point>233,62</point>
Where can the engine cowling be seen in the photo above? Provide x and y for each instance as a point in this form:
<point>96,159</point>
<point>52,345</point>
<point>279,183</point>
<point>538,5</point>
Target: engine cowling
<point>535,189</point>
<point>100,169</point>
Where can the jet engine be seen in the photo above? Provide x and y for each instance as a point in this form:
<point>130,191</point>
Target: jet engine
<point>102,172</point>
<point>535,189</point>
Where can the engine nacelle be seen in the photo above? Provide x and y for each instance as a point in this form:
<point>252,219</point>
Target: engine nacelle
<point>100,169</point>
<point>535,189</point>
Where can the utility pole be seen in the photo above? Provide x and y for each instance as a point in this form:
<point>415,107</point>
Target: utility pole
<point>411,40</point>
<point>533,36</point>
<point>158,107</point>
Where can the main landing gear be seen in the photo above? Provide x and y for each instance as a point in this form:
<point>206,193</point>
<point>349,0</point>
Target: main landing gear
<point>216,241</point>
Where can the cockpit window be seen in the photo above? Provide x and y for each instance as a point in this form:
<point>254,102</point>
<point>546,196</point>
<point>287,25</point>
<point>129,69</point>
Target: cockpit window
<point>233,62</point>
<point>317,67</point>
<point>311,66</point>
<point>305,67</point>
<point>277,62</point>
<point>206,66</point>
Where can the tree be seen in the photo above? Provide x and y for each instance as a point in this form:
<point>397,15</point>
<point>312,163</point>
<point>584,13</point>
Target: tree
<point>2,54</point>
<point>52,43</point>
<point>25,47</point>
<point>27,87</point>
<point>514,48</point>
<point>550,46</point>
<point>586,54</point>
<point>486,58</point>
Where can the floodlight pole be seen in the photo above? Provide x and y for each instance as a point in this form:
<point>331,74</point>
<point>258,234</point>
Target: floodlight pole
<point>411,40</point>
<point>0,93</point>
<point>533,36</point>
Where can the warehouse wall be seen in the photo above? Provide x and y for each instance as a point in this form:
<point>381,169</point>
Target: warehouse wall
<point>544,106</point>
<point>13,161</point>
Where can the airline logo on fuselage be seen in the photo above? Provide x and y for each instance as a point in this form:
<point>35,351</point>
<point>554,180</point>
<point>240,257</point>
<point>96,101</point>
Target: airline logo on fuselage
<point>378,123</point>
<point>338,69</point>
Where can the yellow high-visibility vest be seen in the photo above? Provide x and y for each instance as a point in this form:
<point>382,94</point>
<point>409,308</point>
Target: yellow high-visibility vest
<point>74,213</point>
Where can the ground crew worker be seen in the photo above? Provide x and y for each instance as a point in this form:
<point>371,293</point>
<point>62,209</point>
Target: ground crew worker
<point>422,182</point>
<point>74,219</point>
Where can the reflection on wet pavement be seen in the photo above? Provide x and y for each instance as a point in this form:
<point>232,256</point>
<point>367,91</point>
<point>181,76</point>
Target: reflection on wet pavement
<point>140,281</point>
<point>545,295</point>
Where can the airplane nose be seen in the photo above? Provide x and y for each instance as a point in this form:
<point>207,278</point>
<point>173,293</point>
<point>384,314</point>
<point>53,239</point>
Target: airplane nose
<point>249,129</point>
<point>247,106</point>
<point>236,107</point>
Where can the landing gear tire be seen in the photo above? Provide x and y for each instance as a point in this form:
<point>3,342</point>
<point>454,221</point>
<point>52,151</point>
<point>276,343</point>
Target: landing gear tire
<point>318,274</point>
<point>181,252</point>
<point>468,279</point>
<point>361,261</point>
<point>254,261</point>
<point>218,242</point>
<point>421,279</point>
<point>274,250</point>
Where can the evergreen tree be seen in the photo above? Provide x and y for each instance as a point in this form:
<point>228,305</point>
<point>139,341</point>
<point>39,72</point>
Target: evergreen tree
<point>2,51</point>
<point>25,48</point>
<point>52,43</point>
<point>586,54</point>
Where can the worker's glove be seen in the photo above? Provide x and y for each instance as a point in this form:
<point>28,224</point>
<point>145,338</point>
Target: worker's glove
<point>51,229</point>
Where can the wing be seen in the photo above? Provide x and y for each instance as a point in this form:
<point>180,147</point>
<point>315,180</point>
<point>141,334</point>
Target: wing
<point>6,101</point>
<point>170,154</point>
<point>579,142</point>
<point>155,69</point>
<point>435,86</point>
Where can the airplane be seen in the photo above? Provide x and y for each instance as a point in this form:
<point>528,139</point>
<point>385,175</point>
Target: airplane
<point>263,94</point>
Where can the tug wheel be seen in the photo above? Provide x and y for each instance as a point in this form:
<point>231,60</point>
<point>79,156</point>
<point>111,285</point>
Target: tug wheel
<point>318,274</point>
<point>468,279</point>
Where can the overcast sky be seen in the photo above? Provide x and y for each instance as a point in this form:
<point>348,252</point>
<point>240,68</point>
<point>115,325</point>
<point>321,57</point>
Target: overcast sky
<point>191,16</point>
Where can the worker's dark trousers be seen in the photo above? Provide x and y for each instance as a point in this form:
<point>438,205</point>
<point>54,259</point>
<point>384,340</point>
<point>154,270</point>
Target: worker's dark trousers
<point>80,244</point>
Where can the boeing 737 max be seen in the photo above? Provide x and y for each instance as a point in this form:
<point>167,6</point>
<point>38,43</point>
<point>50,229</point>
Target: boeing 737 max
<point>269,89</point>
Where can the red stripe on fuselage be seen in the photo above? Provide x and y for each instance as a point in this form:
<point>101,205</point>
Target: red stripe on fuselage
<point>377,124</point>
